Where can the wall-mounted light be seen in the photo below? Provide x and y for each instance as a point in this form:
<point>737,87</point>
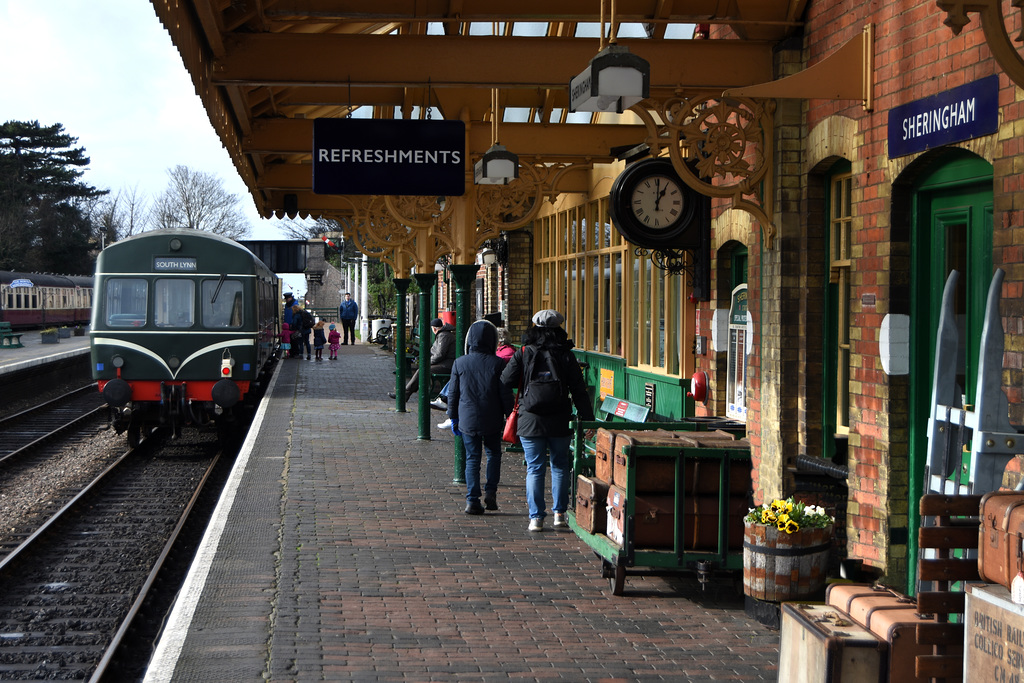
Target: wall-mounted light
<point>488,257</point>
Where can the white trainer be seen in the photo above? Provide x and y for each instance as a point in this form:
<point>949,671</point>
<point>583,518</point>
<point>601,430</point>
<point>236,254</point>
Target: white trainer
<point>560,520</point>
<point>445,425</point>
<point>536,524</point>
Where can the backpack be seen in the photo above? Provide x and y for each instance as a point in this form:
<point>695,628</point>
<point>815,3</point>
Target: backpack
<point>307,320</point>
<point>544,392</point>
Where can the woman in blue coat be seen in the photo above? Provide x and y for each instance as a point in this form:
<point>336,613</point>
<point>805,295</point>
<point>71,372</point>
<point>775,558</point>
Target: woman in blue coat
<point>478,403</point>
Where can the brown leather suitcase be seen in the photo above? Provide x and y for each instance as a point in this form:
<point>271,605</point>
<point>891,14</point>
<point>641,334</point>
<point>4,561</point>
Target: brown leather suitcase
<point>700,522</point>
<point>1000,537</point>
<point>604,453</point>
<point>654,519</point>
<point>818,644</point>
<point>656,474</point>
<point>591,501</point>
<point>892,617</point>
<point>652,474</point>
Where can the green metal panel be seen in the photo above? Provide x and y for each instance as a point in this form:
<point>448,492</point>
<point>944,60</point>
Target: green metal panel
<point>670,399</point>
<point>630,384</point>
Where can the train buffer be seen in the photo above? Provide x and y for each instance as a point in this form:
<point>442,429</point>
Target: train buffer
<point>9,339</point>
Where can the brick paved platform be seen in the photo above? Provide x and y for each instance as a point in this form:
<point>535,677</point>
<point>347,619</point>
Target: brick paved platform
<point>340,552</point>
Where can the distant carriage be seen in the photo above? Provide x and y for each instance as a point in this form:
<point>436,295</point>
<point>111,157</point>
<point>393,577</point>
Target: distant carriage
<point>44,300</point>
<point>184,329</point>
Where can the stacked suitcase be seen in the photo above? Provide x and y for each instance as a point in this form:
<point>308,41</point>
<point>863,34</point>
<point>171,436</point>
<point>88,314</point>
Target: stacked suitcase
<point>885,615</point>
<point>601,499</point>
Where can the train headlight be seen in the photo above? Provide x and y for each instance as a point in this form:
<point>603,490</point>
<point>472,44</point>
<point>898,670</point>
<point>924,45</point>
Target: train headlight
<point>117,361</point>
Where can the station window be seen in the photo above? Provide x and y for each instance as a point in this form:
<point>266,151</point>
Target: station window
<point>174,303</point>
<point>125,302</point>
<point>840,212</point>
<point>592,276</point>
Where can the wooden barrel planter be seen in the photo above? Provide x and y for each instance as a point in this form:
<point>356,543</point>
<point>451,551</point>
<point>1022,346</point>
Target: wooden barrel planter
<point>778,566</point>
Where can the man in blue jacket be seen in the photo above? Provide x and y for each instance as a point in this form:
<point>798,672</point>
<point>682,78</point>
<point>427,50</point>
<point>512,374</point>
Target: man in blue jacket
<point>348,312</point>
<point>478,403</point>
<point>289,301</point>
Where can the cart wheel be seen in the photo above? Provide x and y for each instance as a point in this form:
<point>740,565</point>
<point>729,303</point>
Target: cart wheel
<point>617,580</point>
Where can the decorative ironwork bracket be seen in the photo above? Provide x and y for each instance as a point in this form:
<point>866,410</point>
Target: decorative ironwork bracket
<point>993,23</point>
<point>730,139</point>
<point>675,262</point>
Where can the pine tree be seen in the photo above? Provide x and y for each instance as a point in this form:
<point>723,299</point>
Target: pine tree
<point>44,225</point>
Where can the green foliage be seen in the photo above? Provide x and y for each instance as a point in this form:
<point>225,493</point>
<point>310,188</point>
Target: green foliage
<point>44,221</point>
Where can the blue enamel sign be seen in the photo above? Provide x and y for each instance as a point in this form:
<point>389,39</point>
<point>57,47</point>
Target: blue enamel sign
<point>382,156</point>
<point>963,113</point>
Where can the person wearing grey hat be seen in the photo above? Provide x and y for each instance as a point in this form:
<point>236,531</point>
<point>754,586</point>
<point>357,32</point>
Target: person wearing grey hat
<point>442,355</point>
<point>551,384</point>
<point>548,318</point>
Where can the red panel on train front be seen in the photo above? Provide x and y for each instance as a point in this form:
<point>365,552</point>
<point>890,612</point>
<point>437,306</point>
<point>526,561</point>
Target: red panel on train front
<point>194,391</point>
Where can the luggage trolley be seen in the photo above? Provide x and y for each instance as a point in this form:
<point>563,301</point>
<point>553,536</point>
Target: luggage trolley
<point>662,498</point>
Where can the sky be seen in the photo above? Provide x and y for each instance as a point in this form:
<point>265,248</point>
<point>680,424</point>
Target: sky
<point>107,71</point>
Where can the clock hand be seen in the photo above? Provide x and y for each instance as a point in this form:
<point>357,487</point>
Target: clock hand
<point>657,200</point>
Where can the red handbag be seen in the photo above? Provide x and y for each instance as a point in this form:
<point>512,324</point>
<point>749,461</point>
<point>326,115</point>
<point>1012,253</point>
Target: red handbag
<point>510,435</point>
<point>511,424</point>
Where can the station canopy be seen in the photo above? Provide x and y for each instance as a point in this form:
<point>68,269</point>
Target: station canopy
<point>266,69</point>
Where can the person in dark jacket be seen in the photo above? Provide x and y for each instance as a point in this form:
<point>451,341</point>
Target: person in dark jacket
<point>545,431</point>
<point>442,355</point>
<point>348,313</point>
<point>478,403</point>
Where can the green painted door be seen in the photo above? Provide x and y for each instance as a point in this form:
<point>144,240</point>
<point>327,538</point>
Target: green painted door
<point>952,231</point>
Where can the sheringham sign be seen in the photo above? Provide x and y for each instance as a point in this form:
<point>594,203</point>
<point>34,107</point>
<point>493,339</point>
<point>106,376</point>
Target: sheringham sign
<point>970,111</point>
<point>378,156</point>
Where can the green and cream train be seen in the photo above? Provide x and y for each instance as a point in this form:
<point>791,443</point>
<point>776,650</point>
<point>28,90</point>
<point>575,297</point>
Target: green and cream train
<point>184,330</point>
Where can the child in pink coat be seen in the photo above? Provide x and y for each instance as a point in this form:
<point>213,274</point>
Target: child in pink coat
<point>333,339</point>
<point>286,340</point>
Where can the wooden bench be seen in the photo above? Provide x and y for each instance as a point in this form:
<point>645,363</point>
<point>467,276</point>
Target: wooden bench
<point>9,339</point>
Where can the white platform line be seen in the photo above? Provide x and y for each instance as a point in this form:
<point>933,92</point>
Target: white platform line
<point>168,649</point>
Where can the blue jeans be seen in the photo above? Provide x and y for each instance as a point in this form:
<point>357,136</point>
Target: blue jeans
<point>536,450</point>
<point>475,444</point>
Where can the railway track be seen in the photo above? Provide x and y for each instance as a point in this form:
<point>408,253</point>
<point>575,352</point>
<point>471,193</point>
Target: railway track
<point>71,592</point>
<point>30,428</point>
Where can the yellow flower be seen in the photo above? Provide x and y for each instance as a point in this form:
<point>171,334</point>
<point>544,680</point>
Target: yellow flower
<point>791,527</point>
<point>767,517</point>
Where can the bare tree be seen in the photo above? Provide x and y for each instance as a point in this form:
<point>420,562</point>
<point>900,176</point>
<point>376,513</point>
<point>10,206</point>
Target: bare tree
<point>197,200</point>
<point>306,229</point>
<point>125,214</point>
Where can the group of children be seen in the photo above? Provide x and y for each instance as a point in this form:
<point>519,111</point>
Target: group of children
<point>331,339</point>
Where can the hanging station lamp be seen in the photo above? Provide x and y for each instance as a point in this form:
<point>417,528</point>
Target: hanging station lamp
<point>498,165</point>
<point>614,80</point>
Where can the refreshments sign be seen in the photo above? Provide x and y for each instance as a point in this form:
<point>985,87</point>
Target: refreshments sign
<point>382,156</point>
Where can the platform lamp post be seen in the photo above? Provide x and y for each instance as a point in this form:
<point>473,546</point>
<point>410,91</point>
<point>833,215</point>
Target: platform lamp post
<point>402,287</point>
<point>464,277</point>
<point>426,282</point>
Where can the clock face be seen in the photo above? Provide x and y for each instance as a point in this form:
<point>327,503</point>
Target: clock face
<point>657,202</point>
<point>652,208</point>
